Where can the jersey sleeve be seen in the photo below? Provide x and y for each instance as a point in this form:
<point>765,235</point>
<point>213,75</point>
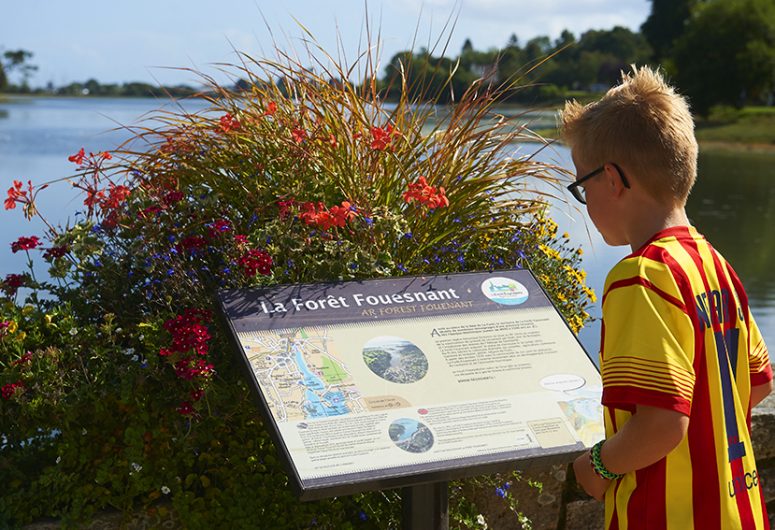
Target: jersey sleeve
<point>758,357</point>
<point>647,348</point>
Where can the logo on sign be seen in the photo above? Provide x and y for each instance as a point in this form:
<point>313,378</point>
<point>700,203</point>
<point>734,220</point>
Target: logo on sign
<point>504,291</point>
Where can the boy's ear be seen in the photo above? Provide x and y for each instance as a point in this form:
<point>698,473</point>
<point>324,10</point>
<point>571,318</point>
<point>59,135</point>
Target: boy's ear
<point>613,180</point>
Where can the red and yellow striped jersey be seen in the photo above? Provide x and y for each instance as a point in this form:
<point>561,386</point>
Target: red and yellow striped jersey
<point>678,334</point>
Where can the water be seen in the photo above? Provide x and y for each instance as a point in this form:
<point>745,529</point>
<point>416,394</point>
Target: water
<point>733,203</point>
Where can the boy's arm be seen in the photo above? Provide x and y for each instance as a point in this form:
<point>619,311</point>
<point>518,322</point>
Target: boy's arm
<point>759,392</point>
<point>649,435</point>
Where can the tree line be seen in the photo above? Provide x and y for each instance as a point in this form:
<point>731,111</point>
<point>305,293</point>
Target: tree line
<point>718,52</point>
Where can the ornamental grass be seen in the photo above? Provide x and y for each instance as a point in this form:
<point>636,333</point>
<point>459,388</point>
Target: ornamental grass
<point>119,388</point>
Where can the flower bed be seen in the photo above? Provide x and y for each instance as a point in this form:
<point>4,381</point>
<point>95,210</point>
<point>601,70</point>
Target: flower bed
<point>119,389</point>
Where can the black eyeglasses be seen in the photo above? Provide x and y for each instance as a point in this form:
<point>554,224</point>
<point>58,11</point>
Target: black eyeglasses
<point>578,192</point>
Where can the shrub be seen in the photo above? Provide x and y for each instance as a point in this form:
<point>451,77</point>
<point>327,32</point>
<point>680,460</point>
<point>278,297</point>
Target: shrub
<point>119,389</point>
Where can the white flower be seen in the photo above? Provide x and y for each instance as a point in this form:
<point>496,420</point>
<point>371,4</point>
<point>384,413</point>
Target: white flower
<point>137,467</point>
<point>73,332</point>
<point>119,330</point>
<point>165,490</point>
<point>129,351</point>
<point>83,431</point>
<point>480,521</point>
<point>141,338</point>
<point>59,459</point>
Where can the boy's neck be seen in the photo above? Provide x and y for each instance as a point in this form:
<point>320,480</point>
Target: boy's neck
<point>652,221</point>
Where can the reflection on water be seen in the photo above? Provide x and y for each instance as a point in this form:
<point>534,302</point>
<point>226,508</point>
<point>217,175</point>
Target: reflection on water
<point>733,202</point>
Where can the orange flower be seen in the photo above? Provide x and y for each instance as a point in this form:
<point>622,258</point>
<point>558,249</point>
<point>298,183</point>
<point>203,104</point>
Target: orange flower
<point>271,108</point>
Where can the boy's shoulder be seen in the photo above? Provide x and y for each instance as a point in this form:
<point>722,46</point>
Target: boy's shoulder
<point>657,265</point>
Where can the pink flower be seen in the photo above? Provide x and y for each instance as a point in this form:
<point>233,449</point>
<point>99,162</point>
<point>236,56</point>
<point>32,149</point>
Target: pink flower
<point>185,408</point>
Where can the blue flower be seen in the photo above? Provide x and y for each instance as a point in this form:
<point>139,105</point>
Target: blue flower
<point>362,515</point>
<point>353,266</point>
<point>226,270</point>
<point>402,268</point>
<point>170,272</point>
<point>500,492</point>
<point>171,238</point>
<point>408,235</point>
<point>97,263</point>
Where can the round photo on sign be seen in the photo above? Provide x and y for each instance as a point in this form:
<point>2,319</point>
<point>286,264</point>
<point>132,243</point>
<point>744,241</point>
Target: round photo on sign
<point>395,359</point>
<point>411,435</point>
<point>504,291</point>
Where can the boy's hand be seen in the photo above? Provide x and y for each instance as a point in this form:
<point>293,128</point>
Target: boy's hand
<point>594,485</point>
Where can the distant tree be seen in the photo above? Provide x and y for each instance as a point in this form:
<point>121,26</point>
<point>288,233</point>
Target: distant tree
<point>3,78</point>
<point>16,61</point>
<point>727,54</point>
<point>513,41</point>
<point>565,39</point>
<point>666,23</point>
<point>613,50</point>
<point>467,47</point>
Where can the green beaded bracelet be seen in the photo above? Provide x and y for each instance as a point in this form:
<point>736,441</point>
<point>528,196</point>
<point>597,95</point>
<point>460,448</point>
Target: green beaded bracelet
<point>597,463</point>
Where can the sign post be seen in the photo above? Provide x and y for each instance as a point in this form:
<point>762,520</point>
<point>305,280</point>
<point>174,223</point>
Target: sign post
<point>411,382</point>
<point>425,507</point>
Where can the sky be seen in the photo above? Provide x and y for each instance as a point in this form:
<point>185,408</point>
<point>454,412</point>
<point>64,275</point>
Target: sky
<point>150,40</point>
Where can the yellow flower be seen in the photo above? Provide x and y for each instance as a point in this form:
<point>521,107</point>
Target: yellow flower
<point>579,251</point>
<point>48,319</point>
<point>21,336</point>
<point>13,326</point>
<point>27,309</point>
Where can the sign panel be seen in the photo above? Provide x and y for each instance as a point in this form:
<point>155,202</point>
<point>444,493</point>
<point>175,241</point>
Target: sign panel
<point>385,383</point>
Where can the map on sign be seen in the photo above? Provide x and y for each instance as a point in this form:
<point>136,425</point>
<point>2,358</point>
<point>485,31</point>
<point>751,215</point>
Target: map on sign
<point>302,374</point>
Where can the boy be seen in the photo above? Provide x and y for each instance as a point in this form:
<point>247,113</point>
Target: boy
<point>681,357</point>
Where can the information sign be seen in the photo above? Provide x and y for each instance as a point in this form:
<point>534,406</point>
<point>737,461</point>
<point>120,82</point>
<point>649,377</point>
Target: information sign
<point>392,382</point>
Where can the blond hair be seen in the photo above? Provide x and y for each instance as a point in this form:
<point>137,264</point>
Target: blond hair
<point>643,125</point>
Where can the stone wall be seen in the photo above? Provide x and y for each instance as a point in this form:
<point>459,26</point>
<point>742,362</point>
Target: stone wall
<point>562,505</point>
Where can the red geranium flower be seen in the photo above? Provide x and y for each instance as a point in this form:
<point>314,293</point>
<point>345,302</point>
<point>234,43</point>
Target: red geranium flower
<point>299,135</point>
<point>12,283</point>
<point>381,138</point>
<point>55,252</point>
<point>426,194</point>
<point>78,157</point>
<point>15,194</point>
<point>255,261</point>
<point>229,123</point>
<point>25,243</point>
<point>271,108</point>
